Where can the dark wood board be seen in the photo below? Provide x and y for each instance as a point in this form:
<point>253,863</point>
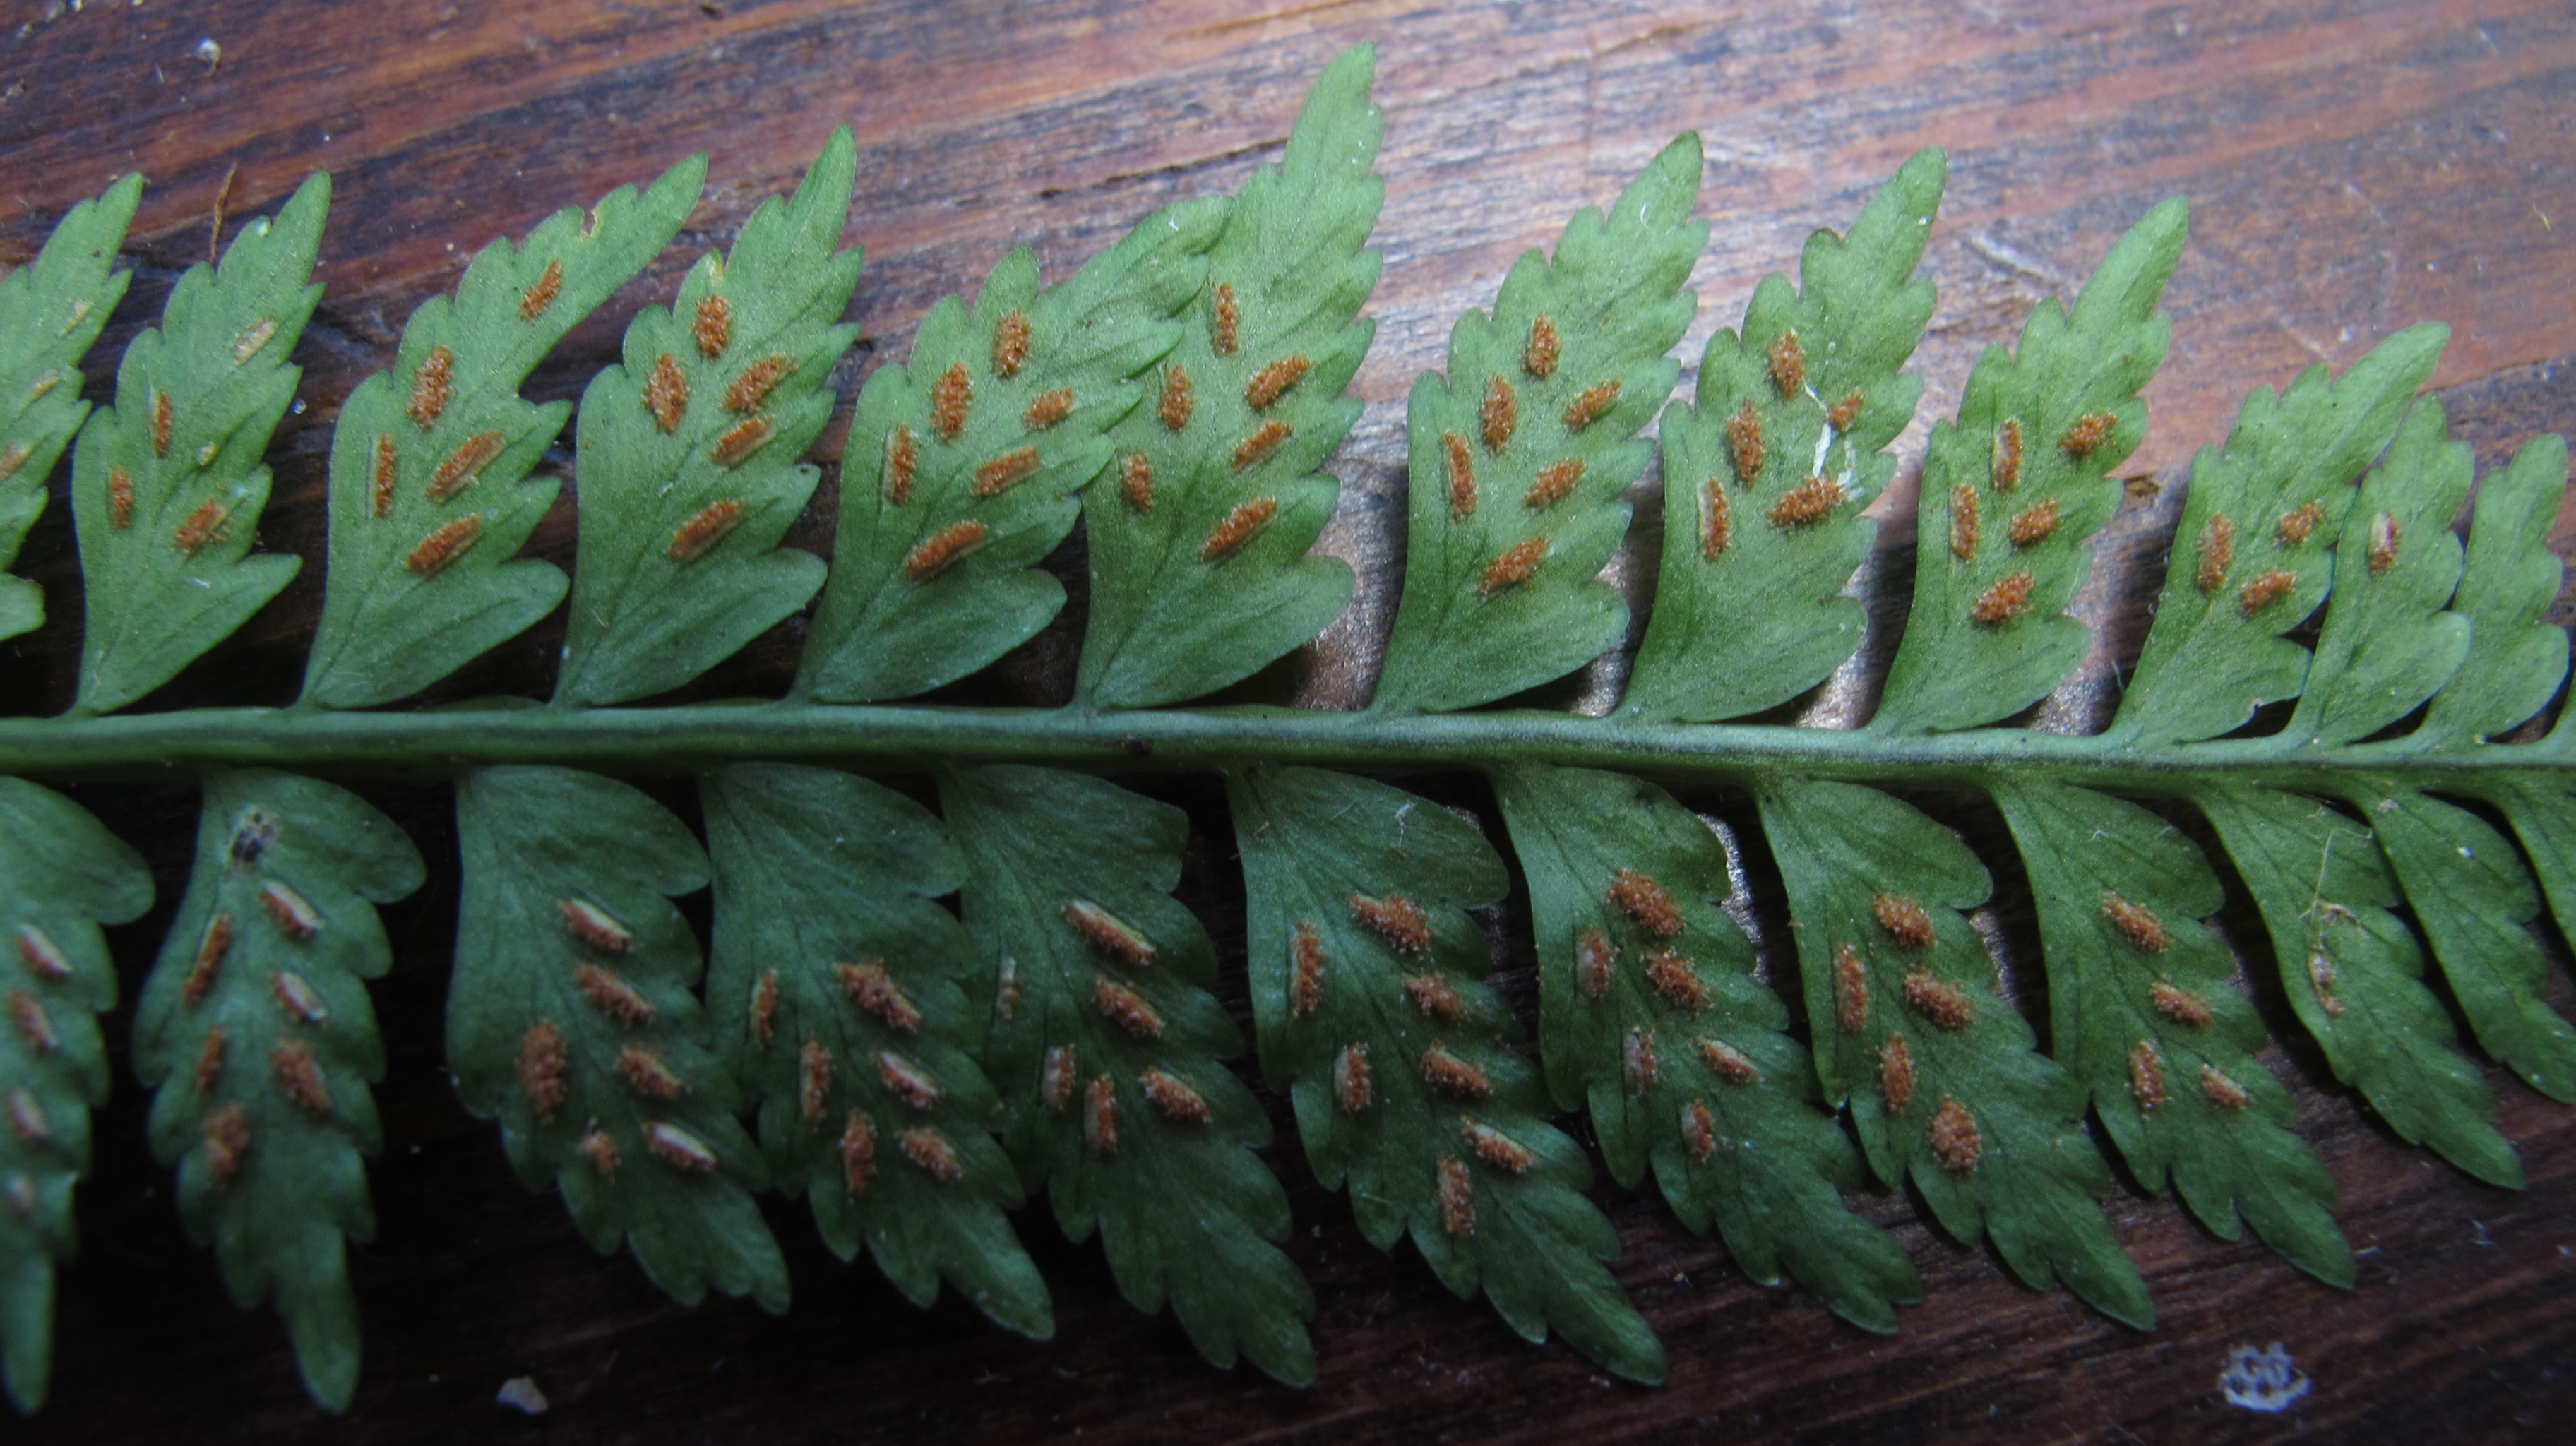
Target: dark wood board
<point>2354,167</point>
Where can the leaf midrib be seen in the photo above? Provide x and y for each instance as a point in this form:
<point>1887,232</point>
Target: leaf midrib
<point>694,738</point>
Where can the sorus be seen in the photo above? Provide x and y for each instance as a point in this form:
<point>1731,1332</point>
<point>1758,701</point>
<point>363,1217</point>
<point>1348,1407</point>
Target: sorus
<point>1642,899</point>
<point>1954,1139</point>
<point>464,466</point>
<point>871,987</point>
<point>705,528</point>
<point>1260,444</point>
<point>1806,504</point>
<point>757,380</point>
<point>1108,933</point>
<point>2009,598</point>
<point>1539,357</point>
<point>930,1151</point>
<point>1494,1147</point>
<point>541,1067</point>
<point>666,393</point>
<point>1904,918</point>
<point>299,1078</point>
<point>1592,405</point>
<point>943,549</point>
<point>1940,1001</point>
<point>683,1151</point>
<point>1173,1097</point>
<point>1238,528</point>
<point>908,1080</point>
<point>1403,924</point>
<point>1500,414</point>
<point>1005,472</point>
<point>1457,1198</point>
<point>647,1074</point>
<point>2137,923</point>
<point>1272,382</point>
<point>1126,1008</point>
<point>1306,993</point>
<point>1554,481</point>
<point>1729,1063</point>
<point>1514,567</point>
<point>1744,444</point>
<point>1895,1074</point>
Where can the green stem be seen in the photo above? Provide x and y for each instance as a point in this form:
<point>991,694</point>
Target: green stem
<point>682,740</point>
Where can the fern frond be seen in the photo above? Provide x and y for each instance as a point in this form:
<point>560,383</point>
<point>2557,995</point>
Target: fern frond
<point>836,982</point>
<point>1200,573</point>
<point>61,876</point>
<point>256,1029</point>
<point>167,489</point>
<point>572,1021</point>
<point>963,462</point>
<point>1650,1017</point>
<point>1106,1046</point>
<point>688,461</point>
<point>429,497</point>
<point>1521,452</point>
<point>2014,486</point>
<point>1939,1069</point>
<point>50,312</point>
<point>1367,989</point>
<point>1749,609</point>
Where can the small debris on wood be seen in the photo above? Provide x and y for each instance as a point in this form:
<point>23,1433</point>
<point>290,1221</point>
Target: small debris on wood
<point>521,1392</point>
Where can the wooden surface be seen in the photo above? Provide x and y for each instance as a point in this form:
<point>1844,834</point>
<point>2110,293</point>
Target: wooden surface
<point>2353,168</point>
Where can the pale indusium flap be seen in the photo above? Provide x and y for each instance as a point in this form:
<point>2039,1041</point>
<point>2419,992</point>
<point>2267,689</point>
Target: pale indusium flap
<point>2328,712</point>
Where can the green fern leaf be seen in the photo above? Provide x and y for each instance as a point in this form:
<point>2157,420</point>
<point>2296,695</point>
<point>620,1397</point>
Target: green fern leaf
<point>1649,1014</point>
<point>837,983</point>
<point>61,876</point>
<point>1749,608</point>
<point>2262,511</point>
<point>688,460</point>
<point>572,1021</point>
<point>2140,1011</point>
<point>1523,450</point>
<point>1200,573</point>
<point>2353,972</point>
<point>50,312</point>
<point>1366,971</point>
<point>167,489</point>
<point>1106,1044</point>
<point>429,463</point>
<point>963,463</point>
<point>256,1030</point>
<point>2015,485</point>
<point>1939,1069</point>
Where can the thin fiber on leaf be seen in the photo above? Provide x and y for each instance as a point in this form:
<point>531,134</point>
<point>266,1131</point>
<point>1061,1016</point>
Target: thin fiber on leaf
<point>2353,972</point>
<point>1938,1067</point>
<point>50,312</point>
<point>167,486</point>
<point>1200,572</point>
<point>1367,990</point>
<point>963,461</point>
<point>2013,487</point>
<point>1107,1050</point>
<point>61,876</point>
<point>570,1019</point>
<point>830,961</point>
<point>2142,1001</point>
<point>257,1035</point>
<point>1650,1015</point>
<point>688,466</point>
<point>1521,452</point>
<point>1749,608</point>
<point>2256,529</point>
<point>430,493</point>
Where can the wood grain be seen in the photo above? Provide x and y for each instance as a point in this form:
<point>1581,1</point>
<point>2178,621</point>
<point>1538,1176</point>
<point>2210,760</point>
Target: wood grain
<point>2353,167</point>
